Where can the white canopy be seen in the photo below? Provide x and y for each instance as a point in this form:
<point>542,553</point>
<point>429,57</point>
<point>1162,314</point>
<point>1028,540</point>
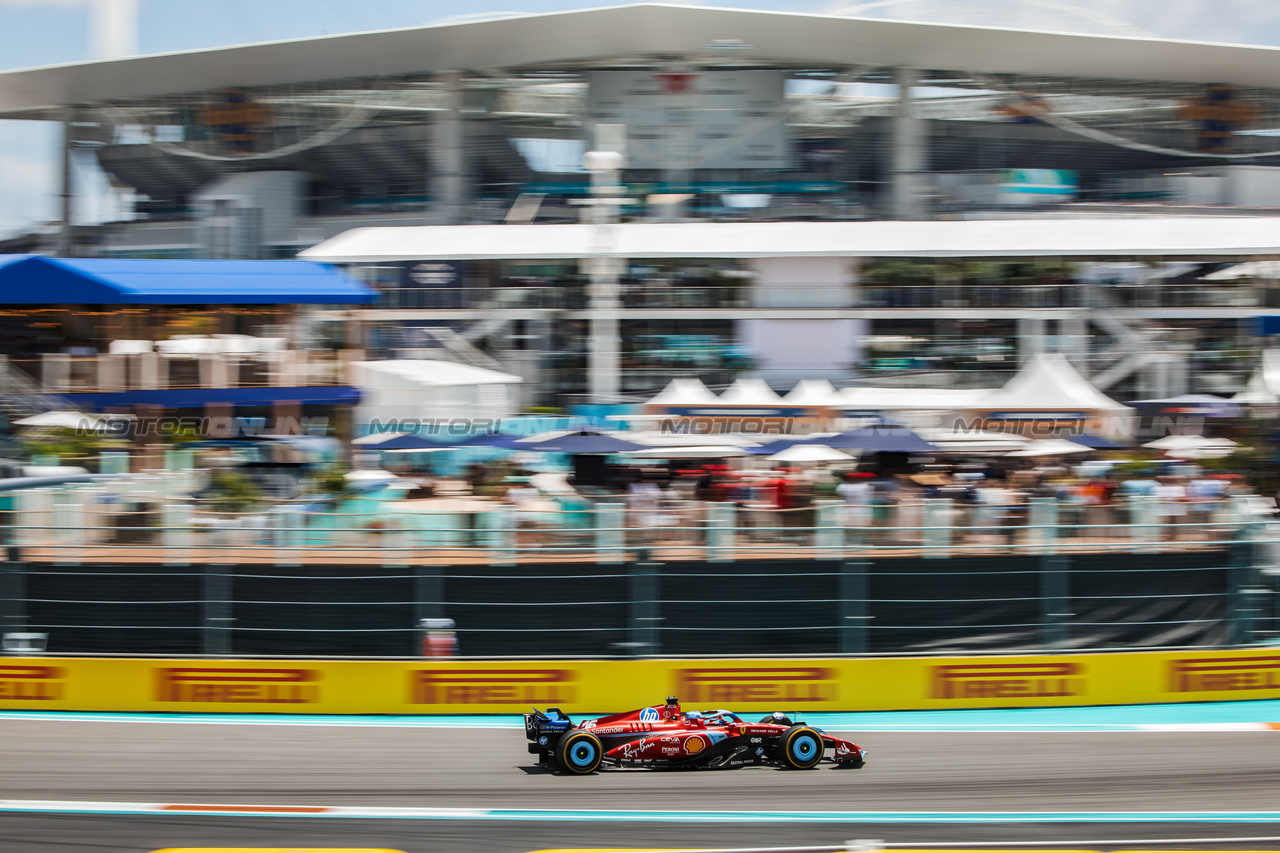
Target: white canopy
<point>749,392</point>
<point>1263,388</point>
<point>1167,237</point>
<point>1050,447</point>
<point>400,389</point>
<point>684,392</point>
<point>810,453</point>
<point>815,392</point>
<point>972,441</point>
<point>1048,382</point>
<point>64,420</point>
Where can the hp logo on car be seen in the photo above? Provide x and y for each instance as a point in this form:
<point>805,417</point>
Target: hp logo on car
<point>542,741</point>
<point>649,715</point>
<point>759,750</point>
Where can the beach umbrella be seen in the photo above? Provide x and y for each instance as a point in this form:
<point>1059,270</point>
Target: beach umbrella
<point>64,420</point>
<point>711,451</point>
<point>879,440</point>
<point>406,442</point>
<point>491,439</point>
<point>811,453</point>
<point>1189,442</point>
<point>1096,442</point>
<point>1049,447</point>
<point>580,442</point>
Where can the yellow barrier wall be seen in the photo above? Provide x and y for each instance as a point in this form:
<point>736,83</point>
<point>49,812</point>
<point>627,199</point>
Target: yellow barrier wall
<point>429,687</point>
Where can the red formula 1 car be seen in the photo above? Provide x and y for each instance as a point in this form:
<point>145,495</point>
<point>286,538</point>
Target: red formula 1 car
<point>666,736</point>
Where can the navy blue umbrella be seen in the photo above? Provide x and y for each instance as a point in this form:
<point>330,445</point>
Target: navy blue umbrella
<point>582,442</point>
<point>491,439</point>
<point>781,444</point>
<point>878,440</point>
<point>1093,441</point>
<point>404,441</point>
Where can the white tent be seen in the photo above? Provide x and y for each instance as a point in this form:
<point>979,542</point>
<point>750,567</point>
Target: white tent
<point>815,392</point>
<point>1263,388</point>
<point>1049,383</point>
<point>401,389</point>
<point>684,392</point>
<point>1050,447</point>
<point>64,420</point>
<point>972,441</point>
<point>749,392</point>
<point>811,453</point>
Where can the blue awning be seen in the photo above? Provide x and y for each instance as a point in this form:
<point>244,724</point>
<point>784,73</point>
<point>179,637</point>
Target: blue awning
<point>33,279</point>
<point>185,398</point>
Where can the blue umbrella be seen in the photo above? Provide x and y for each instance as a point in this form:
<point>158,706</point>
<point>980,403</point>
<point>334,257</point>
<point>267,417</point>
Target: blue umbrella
<point>405,441</point>
<point>1093,441</point>
<point>878,440</point>
<point>492,439</point>
<point>582,442</point>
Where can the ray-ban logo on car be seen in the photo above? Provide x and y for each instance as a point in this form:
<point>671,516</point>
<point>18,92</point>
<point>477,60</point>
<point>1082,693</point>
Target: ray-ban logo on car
<point>1211,674</point>
<point>491,686</point>
<point>1007,680</point>
<point>727,685</point>
<point>249,686</point>
<point>31,683</point>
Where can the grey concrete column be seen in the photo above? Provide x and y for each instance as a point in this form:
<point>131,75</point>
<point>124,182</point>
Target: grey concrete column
<point>65,240</point>
<point>908,150</point>
<point>1030,338</point>
<point>448,156</point>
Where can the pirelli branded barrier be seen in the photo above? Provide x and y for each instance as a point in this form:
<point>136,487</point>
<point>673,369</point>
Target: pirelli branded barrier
<point>430,687</point>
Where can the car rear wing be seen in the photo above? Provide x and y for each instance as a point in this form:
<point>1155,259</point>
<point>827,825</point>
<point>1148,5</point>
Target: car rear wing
<point>550,724</point>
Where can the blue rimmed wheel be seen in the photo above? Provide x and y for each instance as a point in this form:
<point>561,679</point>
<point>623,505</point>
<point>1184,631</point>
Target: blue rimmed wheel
<point>802,747</point>
<point>579,752</point>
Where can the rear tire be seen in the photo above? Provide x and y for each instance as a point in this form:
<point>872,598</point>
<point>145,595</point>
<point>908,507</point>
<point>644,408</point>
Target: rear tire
<point>579,753</point>
<point>802,747</point>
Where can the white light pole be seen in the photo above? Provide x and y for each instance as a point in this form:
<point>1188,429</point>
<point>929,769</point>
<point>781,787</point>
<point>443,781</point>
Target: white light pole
<point>603,352</point>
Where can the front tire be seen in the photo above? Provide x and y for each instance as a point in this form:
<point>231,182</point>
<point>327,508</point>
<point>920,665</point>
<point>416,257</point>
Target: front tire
<point>802,747</point>
<point>579,753</point>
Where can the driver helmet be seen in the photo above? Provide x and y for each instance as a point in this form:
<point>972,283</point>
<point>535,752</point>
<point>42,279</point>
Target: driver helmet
<point>694,715</point>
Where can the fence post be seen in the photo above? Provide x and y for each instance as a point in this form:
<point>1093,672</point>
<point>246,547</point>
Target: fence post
<point>720,532</point>
<point>69,535</point>
<point>828,538</point>
<point>643,639</point>
<point>854,616</point>
<point>1144,523</point>
<point>1245,577</point>
<point>217,611</point>
<point>937,528</point>
<point>1044,526</point>
<point>1055,620</point>
<point>177,533</point>
<point>502,537</point>
<point>611,533</point>
<point>291,522</point>
<point>428,599</point>
<point>13,593</point>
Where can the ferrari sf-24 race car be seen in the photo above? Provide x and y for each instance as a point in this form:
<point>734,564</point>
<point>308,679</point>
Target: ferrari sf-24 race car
<point>666,736</point>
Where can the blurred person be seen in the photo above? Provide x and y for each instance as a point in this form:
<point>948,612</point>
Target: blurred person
<point>1173,504</point>
<point>526,500</point>
<point>1204,495</point>
<point>856,491</point>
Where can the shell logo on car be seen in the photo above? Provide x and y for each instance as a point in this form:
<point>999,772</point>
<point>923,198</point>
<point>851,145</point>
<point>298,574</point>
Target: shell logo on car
<point>694,745</point>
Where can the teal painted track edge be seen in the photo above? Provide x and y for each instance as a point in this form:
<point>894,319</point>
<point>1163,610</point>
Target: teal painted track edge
<point>1093,718</point>
<point>616,816</point>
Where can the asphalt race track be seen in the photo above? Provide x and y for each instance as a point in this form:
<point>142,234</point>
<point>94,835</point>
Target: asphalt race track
<point>997,773</point>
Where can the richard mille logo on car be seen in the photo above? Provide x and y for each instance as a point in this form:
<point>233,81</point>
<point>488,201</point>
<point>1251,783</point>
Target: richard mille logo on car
<point>491,686</point>
<point>1212,674</point>
<point>1007,680</point>
<point>725,685</point>
<point>31,683</point>
<point>240,685</point>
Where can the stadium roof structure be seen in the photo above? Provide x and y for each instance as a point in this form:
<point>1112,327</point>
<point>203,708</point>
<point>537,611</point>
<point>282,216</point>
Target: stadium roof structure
<point>608,36</point>
<point>36,280</point>
<point>1200,238</point>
